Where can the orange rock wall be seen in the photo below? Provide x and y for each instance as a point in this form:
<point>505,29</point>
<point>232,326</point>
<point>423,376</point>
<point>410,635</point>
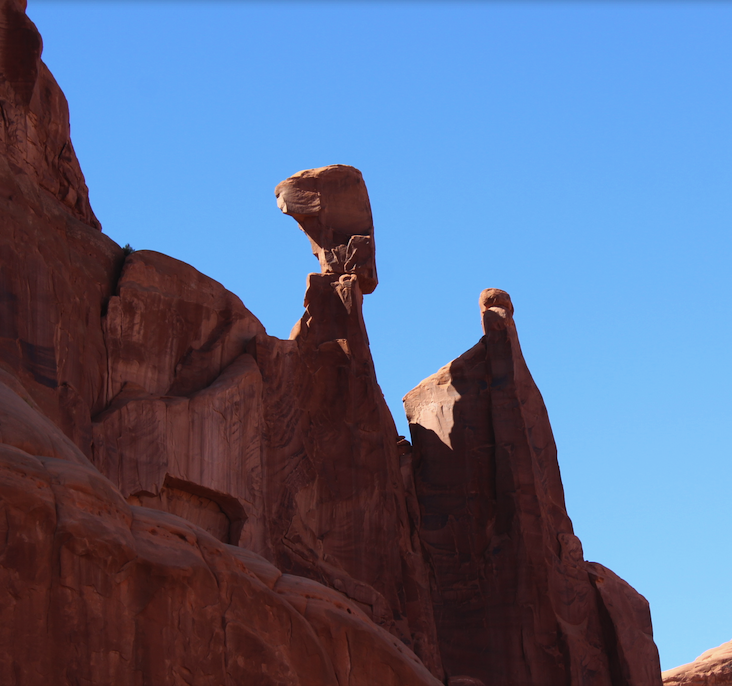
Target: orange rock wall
<point>184,498</point>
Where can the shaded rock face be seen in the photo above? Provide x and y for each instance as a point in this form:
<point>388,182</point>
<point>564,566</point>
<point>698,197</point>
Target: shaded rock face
<point>713,667</point>
<point>333,478</point>
<point>34,131</point>
<point>57,274</point>
<point>514,600</point>
<point>95,591</point>
<point>184,498</point>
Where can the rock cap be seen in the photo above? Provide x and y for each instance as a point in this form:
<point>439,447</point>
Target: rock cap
<point>496,309</point>
<point>331,205</point>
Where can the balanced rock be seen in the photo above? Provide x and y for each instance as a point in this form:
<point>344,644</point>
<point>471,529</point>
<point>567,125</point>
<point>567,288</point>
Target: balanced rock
<point>133,449</point>
<point>333,474</point>
<point>331,205</point>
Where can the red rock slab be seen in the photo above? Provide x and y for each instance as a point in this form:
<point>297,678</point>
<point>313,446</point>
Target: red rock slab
<point>341,625</point>
<point>713,667</point>
<point>331,205</point>
<point>58,270</point>
<point>22,425</point>
<point>626,618</point>
<point>98,592</point>
<point>198,456</point>
<point>514,601</point>
<point>182,431</point>
<point>57,276</point>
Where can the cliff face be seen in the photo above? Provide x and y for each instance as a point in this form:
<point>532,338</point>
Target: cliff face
<point>285,447</point>
<point>184,498</point>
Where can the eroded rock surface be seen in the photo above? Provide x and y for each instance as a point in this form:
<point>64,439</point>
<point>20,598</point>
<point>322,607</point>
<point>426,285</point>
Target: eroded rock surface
<point>34,134</point>
<point>331,205</point>
<point>95,591</point>
<point>184,498</point>
<point>142,368</point>
<point>333,476</point>
<point>713,667</point>
<point>515,602</point>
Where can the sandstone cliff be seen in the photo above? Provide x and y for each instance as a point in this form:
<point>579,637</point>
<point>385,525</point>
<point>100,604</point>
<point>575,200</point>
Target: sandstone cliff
<point>184,498</point>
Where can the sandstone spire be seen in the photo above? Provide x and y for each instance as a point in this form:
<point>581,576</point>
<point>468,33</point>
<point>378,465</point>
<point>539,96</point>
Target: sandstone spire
<point>515,602</point>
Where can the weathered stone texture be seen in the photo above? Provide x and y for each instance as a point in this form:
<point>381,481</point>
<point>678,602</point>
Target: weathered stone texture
<point>331,205</point>
<point>184,498</point>
<point>515,602</point>
<point>146,368</point>
<point>713,667</point>
<point>96,591</point>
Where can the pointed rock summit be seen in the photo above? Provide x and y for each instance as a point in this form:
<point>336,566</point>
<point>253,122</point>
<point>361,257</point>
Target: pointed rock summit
<point>515,602</point>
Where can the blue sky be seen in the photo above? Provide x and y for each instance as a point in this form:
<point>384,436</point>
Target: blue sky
<point>578,156</point>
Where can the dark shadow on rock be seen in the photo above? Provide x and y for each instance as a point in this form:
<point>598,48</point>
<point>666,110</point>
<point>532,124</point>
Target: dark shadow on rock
<point>513,600</point>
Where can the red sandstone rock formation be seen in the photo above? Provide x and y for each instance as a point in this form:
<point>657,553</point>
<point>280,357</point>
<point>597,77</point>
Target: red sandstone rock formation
<point>713,667</point>
<point>184,498</point>
<point>285,447</point>
<point>515,602</point>
<point>332,207</point>
<point>35,119</point>
<point>95,591</point>
<point>142,365</point>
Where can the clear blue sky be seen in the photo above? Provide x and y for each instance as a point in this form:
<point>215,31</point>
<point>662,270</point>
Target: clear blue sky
<point>578,156</point>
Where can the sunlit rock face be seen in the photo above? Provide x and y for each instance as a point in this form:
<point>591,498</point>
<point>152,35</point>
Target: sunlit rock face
<point>713,667</point>
<point>514,600</point>
<point>184,498</point>
<point>143,442</point>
